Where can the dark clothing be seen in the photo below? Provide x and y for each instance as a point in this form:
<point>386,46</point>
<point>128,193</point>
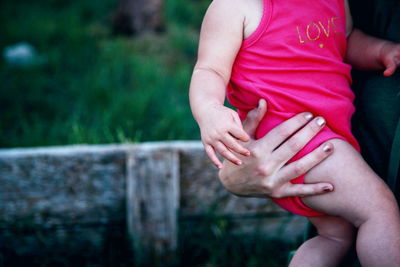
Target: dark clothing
<point>378,18</point>
<point>377,97</point>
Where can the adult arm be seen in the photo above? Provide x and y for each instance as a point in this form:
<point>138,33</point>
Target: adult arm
<point>264,173</point>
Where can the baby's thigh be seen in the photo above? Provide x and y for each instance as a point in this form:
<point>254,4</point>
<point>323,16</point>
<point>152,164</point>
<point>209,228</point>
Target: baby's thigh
<point>358,191</point>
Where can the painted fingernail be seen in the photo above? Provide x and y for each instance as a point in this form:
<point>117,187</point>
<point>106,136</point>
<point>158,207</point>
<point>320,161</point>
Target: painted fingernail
<point>320,121</point>
<point>308,116</point>
<point>327,148</point>
<point>327,189</point>
<point>239,162</point>
<point>247,153</point>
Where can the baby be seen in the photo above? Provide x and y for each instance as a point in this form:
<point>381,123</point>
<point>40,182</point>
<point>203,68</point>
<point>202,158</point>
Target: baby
<point>291,54</point>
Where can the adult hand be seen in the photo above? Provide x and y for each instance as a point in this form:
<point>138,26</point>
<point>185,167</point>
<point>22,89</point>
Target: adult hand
<point>264,173</point>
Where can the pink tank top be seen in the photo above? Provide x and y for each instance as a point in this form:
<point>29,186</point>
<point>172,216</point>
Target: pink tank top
<point>294,60</point>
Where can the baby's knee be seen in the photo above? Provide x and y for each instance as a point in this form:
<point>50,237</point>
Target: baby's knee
<point>384,209</point>
<point>336,229</point>
<point>344,239</point>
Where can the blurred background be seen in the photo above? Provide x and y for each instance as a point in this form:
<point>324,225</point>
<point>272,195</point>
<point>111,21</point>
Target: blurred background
<point>77,72</point>
<point>100,72</point>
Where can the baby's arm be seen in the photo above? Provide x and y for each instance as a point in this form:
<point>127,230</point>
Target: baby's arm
<point>365,52</point>
<point>220,39</point>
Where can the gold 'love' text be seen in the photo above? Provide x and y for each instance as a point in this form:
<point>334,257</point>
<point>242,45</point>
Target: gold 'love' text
<point>314,30</point>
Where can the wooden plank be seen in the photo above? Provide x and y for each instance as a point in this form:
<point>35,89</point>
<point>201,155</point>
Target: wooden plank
<point>153,199</point>
<point>49,188</point>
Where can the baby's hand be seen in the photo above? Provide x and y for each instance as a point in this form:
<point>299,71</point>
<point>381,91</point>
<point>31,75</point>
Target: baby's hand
<point>390,56</point>
<point>221,129</point>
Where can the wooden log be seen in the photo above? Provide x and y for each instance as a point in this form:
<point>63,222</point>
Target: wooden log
<point>76,193</point>
<point>153,200</point>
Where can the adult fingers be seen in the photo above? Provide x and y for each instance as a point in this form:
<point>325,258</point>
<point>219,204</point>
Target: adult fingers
<point>284,130</point>
<point>296,142</point>
<point>306,163</point>
<point>212,156</point>
<point>232,143</point>
<point>303,190</point>
<point>254,117</point>
<point>224,151</point>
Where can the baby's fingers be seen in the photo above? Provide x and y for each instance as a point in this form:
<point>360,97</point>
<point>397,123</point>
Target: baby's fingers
<point>239,133</point>
<point>212,156</point>
<point>390,65</point>
<point>224,151</point>
<point>233,144</point>
<point>390,69</point>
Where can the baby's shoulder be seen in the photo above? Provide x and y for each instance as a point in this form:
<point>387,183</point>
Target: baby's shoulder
<point>226,12</point>
<point>229,6</point>
<point>248,11</point>
<point>251,7</point>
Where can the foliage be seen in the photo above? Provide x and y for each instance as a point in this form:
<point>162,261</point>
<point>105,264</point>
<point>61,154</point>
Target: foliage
<point>94,87</point>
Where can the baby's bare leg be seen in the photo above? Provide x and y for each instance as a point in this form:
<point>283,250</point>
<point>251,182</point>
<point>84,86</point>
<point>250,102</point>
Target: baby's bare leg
<point>363,199</point>
<point>327,249</point>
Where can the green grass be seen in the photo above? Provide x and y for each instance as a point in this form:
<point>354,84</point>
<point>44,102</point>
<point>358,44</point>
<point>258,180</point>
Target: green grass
<point>95,87</point>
